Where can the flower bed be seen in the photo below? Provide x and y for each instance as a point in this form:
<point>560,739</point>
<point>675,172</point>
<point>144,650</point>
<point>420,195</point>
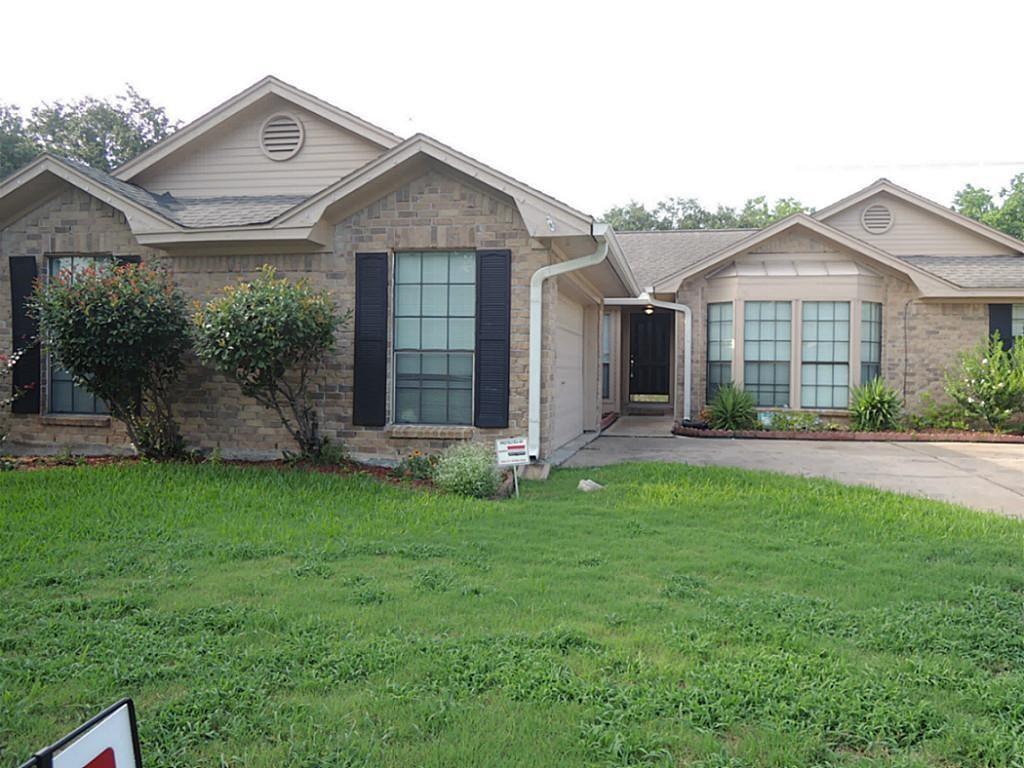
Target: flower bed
<point>950,436</point>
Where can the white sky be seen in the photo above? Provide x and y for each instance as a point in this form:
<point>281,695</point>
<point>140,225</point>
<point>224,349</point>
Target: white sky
<point>594,103</point>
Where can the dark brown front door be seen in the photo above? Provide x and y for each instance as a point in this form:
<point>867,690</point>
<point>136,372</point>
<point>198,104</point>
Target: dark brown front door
<point>649,344</point>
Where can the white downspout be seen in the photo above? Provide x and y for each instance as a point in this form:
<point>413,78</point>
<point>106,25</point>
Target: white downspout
<point>537,326</point>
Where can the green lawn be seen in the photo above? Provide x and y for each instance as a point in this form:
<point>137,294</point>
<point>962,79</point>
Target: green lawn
<point>683,616</point>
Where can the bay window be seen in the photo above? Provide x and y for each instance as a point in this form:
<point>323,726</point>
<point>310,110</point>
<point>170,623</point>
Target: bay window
<point>825,355</point>
<point>720,346</point>
<point>767,334</point>
<point>870,341</point>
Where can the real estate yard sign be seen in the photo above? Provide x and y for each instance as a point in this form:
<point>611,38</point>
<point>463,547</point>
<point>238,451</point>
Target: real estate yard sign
<point>109,740</point>
<point>511,452</point>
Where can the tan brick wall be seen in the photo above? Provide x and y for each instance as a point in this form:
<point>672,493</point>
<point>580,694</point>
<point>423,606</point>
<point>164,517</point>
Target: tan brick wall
<point>435,211</point>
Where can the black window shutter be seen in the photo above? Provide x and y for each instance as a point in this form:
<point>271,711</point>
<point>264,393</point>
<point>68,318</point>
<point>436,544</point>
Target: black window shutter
<point>122,260</point>
<point>1000,318</point>
<point>493,319</point>
<point>26,331</point>
<point>370,382</point>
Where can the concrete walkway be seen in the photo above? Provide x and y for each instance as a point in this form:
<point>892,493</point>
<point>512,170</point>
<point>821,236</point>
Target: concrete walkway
<point>984,476</point>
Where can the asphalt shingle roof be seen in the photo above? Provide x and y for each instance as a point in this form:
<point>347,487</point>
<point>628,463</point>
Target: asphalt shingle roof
<point>653,255</point>
<point>197,212</point>
<point>974,271</point>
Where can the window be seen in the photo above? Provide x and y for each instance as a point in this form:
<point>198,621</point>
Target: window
<point>825,355</point>
<point>720,346</point>
<point>1017,320</point>
<point>66,396</point>
<point>767,331</point>
<point>870,341</point>
<point>435,337</point>
<point>606,356</point>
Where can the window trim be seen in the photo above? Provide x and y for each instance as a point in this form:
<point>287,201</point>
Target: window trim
<point>395,350</point>
<point>880,342</point>
<point>708,362</point>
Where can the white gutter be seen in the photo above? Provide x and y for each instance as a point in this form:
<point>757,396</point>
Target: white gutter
<point>642,301</point>
<point>536,326</point>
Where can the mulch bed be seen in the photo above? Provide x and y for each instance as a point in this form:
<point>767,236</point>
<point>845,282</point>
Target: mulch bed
<point>951,436</point>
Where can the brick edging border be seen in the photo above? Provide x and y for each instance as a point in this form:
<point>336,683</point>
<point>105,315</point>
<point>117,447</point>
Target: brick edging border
<point>839,436</point>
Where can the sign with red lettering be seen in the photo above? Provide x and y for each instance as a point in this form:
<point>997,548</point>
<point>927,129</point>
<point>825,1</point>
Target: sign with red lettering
<point>109,740</point>
<point>511,451</point>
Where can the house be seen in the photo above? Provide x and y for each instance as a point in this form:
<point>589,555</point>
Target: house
<point>484,307</point>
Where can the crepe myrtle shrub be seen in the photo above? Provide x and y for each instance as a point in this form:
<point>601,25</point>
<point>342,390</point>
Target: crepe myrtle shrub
<point>121,332</point>
<point>988,382</point>
<point>271,335</point>
<point>468,469</point>
<point>875,407</point>
<point>7,363</point>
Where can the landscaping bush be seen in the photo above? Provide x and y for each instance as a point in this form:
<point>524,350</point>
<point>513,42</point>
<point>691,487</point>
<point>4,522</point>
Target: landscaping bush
<point>468,469</point>
<point>796,421</point>
<point>874,407</point>
<point>931,415</point>
<point>270,335</point>
<point>121,333</point>
<point>732,408</point>
<point>988,382</point>
<point>417,466</point>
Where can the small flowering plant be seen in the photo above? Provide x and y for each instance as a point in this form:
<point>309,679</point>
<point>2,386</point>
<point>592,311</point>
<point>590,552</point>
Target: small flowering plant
<point>417,466</point>
<point>988,382</point>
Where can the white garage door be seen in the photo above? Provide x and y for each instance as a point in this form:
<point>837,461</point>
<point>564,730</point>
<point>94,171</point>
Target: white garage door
<point>568,414</point>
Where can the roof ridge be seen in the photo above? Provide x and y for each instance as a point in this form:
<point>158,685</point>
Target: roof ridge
<point>620,232</point>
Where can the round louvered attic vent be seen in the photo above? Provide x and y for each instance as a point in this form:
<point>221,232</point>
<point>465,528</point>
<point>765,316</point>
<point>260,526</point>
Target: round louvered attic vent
<point>281,137</point>
<point>876,219</point>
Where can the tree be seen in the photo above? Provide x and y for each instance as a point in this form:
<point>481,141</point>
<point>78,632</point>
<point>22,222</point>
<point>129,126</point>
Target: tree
<point>16,147</point>
<point>100,133</point>
<point>121,333</point>
<point>1006,214</point>
<point>270,335</point>
<point>688,213</point>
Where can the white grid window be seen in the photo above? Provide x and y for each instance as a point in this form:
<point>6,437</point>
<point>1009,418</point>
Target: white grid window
<point>435,336</point>
<point>825,355</point>
<point>720,346</point>
<point>1017,320</point>
<point>870,341</point>
<point>767,334</point>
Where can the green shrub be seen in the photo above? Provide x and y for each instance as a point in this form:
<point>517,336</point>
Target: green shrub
<point>468,469</point>
<point>874,407</point>
<point>732,408</point>
<point>932,415</point>
<point>121,333</point>
<point>988,382</point>
<point>796,421</point>
<point>417,466</point>
<point>270,335</point>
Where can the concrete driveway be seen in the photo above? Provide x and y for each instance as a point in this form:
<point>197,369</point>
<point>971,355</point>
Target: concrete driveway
<point>984,476</point>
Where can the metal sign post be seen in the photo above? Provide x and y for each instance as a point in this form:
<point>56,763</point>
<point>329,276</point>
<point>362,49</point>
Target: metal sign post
<point>512,452</point>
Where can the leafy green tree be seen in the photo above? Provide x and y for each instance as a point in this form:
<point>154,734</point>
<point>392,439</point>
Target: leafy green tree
<point>688,213</point>
<point>270,335</point>
<point>16,146</point>
<point>1006,214</point>
<point>121,332</point>
<point>100,133</point>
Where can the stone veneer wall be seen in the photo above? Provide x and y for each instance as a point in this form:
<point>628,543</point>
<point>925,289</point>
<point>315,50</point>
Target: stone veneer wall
<point>435,211</point>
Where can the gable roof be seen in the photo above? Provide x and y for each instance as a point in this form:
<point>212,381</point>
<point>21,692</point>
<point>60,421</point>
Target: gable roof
<point>884,185</point>
<point>543,215</point>
<point>974,271</point>
<point>654,254</point>
<point>219,114</point>
<point>923,279</point>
